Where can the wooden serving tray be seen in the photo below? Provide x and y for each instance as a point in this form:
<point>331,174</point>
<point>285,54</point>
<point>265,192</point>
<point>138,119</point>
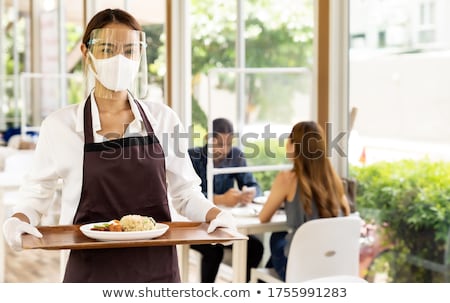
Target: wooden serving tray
<point>70,237</point>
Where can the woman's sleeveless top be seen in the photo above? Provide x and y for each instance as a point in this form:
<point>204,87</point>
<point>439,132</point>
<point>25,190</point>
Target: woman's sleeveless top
<point>296,216</point>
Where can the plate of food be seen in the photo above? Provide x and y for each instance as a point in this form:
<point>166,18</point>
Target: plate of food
<point>260,199</point>
<point>129,227</point>
<point>245,211</point>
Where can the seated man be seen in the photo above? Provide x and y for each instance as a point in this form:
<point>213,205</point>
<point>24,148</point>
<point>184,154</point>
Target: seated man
<point>225,155</point>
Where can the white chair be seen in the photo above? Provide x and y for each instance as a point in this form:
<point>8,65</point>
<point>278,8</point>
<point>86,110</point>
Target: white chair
<point>320,248</point>
<point>338,279</point>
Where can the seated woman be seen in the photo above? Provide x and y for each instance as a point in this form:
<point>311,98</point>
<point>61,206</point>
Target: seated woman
<point>311,190</point>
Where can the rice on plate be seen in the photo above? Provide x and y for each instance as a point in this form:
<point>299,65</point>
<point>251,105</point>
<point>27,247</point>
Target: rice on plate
<point>137,223</point>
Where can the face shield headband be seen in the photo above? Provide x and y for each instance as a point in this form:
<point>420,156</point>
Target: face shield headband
<point>117,61</point>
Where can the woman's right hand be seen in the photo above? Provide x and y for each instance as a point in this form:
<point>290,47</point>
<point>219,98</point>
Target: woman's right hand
<point>13,228</point>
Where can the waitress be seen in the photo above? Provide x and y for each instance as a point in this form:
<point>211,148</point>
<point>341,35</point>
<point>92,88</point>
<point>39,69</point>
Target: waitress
<point>116,156</point>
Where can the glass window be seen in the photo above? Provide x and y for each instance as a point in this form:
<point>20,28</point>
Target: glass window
<point>399,145</point>
<point>274,92</point>
<point>427,31</point>
<point>37,52</point>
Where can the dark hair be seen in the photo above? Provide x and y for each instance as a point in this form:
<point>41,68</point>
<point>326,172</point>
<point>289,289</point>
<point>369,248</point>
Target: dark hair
<point>108,16</point>
<point>222,126</point>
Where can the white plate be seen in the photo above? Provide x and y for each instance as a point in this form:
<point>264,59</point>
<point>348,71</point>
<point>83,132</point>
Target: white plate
<point>244,211</point>
<point>260,200</point>
<point>122,235</point>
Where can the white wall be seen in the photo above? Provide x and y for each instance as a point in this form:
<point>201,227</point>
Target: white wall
<point>402,96</point>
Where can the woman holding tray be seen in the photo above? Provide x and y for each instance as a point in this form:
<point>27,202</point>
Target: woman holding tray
<point>116,156</point>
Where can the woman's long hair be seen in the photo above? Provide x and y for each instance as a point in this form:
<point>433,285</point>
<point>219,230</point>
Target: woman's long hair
<point>317,179</point>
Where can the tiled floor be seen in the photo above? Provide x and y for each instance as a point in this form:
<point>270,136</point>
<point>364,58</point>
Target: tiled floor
<point>42,266</point>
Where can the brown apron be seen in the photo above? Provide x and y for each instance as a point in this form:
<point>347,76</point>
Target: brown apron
<point>122,177</point>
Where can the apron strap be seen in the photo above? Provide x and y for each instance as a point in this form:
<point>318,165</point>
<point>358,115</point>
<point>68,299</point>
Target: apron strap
<point>88,134</point>
<point>147,124</point>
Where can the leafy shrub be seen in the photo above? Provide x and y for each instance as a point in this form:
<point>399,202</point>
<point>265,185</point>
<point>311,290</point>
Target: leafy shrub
<point>413,202</point>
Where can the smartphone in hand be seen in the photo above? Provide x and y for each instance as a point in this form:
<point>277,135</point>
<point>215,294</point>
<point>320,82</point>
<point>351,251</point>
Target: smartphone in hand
<point>250,189</point>
<point>248,193</point>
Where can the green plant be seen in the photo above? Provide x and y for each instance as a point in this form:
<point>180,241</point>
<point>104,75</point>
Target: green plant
<point>412,197</point>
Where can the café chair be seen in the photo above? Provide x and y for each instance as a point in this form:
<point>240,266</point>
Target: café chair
<point>338,279</point>
<point>320,248</point>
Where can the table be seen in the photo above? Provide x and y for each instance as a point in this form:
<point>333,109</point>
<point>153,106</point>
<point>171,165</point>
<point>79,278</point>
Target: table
<point>8,183</point>
<point>246,226</point>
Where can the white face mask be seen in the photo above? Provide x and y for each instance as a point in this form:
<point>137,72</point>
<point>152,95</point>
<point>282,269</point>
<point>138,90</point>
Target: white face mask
<point>116,73</point>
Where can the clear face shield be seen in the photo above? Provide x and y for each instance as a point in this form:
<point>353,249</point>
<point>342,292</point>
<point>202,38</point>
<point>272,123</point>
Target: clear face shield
<point>117,62</point>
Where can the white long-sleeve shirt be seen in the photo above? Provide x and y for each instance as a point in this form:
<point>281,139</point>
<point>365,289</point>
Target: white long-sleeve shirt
<point>59,155</point>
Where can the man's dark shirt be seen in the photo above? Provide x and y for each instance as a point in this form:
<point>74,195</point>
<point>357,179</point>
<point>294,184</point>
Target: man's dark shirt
<point>223,182</point>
